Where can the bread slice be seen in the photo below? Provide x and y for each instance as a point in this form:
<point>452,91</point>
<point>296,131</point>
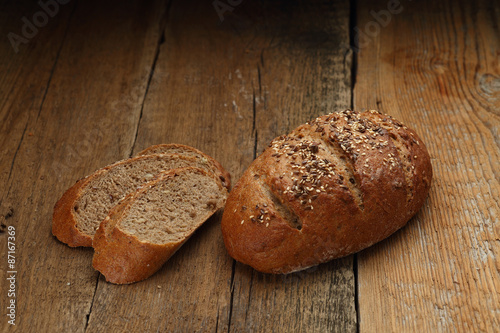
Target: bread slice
<point>148,226</point>
<point>175,148</point>
<point>81,209</point>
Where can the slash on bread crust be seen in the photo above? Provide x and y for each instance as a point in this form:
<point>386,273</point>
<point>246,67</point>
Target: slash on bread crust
<point>331,187</point>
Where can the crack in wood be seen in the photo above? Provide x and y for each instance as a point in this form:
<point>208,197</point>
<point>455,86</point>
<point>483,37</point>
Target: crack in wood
<point>352,42</point>
<point>56,61</point>
<point>41,104</point>
<point>15,155</point>
<point>260,82</point>
<point>249,295</point>
<point>354,72</point>
<point>13,162</point>
<point>91,304</point>
<point>161,40</point>
<point>150,78</point>
<point>356,289</point>
<point>217,321</point>
<point>231,300</point>
<point>254,120</point>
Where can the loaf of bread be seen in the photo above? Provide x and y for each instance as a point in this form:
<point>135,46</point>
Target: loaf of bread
<point>82,208</point>
<point>148,226</point>
<point>330,188</point>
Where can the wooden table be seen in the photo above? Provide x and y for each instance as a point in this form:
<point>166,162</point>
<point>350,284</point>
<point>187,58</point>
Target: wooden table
<point>93,82</point>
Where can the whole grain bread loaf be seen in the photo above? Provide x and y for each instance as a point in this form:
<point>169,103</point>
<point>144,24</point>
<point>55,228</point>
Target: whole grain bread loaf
<point>331,187</point>
<point>82,208</point>
<point>148,226</point>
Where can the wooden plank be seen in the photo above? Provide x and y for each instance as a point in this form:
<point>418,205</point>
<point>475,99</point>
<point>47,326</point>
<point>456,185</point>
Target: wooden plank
<point>87,119</point>
<point>303,72</point>
<point>25,72</point>
<point>437,70</point>
<point>219,86</point>
<point>195,98</point>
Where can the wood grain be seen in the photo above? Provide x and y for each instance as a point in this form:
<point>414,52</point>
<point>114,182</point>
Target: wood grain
<point>25,77</point>
<point>303,72</point>
<point>86,118</point>
<point>435,66</point>
<point>103,80</point>
<point>190,100</point>
<point>224,87</point>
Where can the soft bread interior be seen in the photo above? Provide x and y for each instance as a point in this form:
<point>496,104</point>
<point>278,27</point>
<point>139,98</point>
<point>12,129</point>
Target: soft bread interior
<point>173,208</point>
<point>106,189</point>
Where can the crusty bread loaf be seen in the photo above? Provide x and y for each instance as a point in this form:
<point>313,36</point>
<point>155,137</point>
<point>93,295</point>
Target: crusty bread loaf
<point>331,187</point>
<point>82,208</point>
<point>175,148</point>
<point>148,226</point>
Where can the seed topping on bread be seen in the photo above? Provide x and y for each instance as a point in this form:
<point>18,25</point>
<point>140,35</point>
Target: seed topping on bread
<point>348,178</point>
<point>334,151</point>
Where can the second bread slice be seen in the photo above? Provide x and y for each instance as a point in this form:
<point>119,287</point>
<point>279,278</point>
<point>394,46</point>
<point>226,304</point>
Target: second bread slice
<point>147,227</point>
<point>176,148</point>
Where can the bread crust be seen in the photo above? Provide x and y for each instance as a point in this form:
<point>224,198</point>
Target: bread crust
<point>121,257</point>
<point>330,188</point>
<point>225,176</point>
<point>64,221</point>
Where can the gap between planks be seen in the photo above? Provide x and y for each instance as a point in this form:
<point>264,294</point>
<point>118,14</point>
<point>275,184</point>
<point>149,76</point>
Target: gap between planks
<point>161,40</point>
